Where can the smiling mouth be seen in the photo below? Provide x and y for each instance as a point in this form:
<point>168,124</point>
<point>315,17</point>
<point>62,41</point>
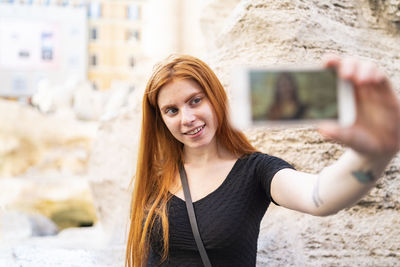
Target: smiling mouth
<point>195,131</point>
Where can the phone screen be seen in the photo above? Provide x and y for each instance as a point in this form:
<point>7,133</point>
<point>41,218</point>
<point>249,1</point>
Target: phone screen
<point>293,95</point>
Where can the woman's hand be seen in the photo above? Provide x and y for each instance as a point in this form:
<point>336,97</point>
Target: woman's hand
<point>376,130</point>
<point>375,136</point>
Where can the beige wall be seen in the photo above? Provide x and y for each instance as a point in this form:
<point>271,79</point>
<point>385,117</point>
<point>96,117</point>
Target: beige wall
<point>165,27</point>
<point>118,43</point>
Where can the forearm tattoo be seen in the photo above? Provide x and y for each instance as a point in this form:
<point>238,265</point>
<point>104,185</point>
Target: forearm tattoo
<point>315,196</point>
<point>363,177</point>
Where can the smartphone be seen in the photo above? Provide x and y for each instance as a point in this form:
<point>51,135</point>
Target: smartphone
<point>271,96</point>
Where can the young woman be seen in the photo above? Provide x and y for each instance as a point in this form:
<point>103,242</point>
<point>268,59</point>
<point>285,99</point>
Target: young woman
<point>185,121</point>
<point>286,105</point>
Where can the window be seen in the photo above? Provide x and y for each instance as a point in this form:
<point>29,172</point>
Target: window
<point>94,10</point>
<point>131,61</point>
<point>132,35</point>
<point>136,35</point>
<point>93,60</point>
<point>64,3</point>
<point>133,12</point>
<point>47,46</point>
<point>95,86</point>
<point>93,33</point>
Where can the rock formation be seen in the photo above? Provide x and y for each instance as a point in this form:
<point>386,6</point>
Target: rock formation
<point>265,33</point>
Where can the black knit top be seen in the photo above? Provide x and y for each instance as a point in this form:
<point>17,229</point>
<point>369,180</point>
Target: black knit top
<point>228,218</point>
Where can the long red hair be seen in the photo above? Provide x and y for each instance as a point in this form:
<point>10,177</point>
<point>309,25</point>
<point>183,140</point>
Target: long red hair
<point>160,152</point>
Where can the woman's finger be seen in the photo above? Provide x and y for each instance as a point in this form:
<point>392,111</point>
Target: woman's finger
<point>365,73</point>
<point>348,69</point>
<point>331,60</point>
<point>354,137</point>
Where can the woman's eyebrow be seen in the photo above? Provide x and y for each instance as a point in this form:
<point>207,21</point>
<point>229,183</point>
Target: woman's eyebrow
<point>167,106</point>
<point>190,97</point>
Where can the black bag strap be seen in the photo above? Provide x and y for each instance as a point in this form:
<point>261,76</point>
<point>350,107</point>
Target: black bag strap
<point>192,217</point>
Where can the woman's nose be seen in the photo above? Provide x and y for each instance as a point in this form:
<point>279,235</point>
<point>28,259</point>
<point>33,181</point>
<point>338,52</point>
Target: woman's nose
<point>188,116</point>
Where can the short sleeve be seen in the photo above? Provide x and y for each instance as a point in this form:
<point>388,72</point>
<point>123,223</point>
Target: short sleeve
<point>267,167</point>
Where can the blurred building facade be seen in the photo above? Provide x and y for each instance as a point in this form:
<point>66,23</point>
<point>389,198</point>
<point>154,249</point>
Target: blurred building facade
<point>40,41</point>
<point>123,38</point>
<point>126,37</point>
<point>115,31</point>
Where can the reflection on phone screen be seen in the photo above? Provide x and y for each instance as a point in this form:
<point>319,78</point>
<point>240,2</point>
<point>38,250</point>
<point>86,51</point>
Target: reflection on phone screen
<point>294,95</point>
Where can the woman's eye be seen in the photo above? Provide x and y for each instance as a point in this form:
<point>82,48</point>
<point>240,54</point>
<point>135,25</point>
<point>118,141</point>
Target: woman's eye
<point>171,111</point>
<point>196,100</point>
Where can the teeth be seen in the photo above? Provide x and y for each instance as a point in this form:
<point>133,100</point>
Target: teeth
<point>195,131</point>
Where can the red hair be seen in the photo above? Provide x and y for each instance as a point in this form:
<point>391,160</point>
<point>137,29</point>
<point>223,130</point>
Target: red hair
<point>160,152</point>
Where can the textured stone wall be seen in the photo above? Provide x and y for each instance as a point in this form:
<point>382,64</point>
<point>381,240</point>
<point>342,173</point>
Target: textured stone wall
<point>111,168</point>
<point>42,161</point>
<point>261,32</point>
<point>30,140</point>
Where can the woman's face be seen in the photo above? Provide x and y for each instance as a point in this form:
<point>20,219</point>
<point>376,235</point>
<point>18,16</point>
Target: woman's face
<point>187,113</point>
<point>286,89</point>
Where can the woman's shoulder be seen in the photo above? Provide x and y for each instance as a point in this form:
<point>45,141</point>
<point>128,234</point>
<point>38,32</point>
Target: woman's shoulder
<point>264,160</point>
<point>257,155</point>
<point>253,159</point>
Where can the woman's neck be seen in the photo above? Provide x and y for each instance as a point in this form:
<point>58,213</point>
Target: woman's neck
<point>201,156</point>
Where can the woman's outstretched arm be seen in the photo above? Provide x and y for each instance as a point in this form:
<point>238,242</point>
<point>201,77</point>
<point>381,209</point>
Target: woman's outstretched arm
<point>373,140</point>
